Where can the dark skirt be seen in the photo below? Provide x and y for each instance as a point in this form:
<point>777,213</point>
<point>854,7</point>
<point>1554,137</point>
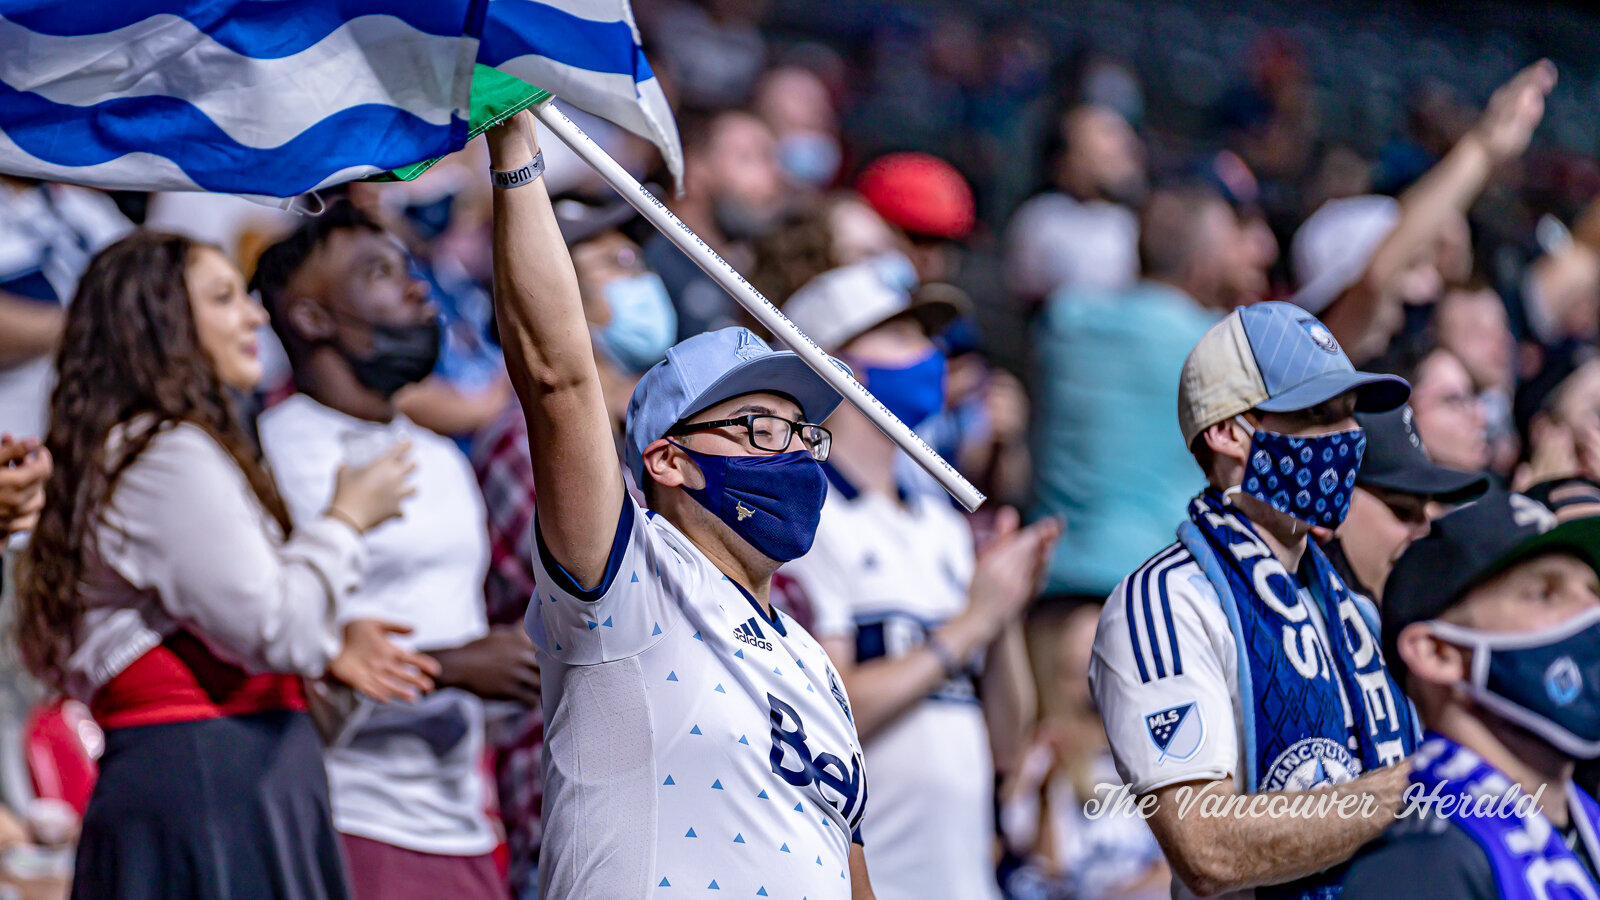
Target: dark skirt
<point>222,809</point>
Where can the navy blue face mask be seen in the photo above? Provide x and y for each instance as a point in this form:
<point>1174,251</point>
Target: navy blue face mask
<point>914,392</point>
<point>1309,478</point>
<point>1546,681</point>
<point>773,502</point>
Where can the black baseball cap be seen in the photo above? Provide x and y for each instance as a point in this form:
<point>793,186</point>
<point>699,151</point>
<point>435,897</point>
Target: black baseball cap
<point>1467,548</point>
<point>581,220</point>
<point>1396,461</point>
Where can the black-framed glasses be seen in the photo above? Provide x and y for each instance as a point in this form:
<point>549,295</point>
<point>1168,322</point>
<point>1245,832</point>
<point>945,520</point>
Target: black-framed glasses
<point>766,432</point>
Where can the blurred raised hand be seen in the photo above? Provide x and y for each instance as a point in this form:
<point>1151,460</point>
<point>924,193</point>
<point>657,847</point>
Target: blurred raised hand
<point>1514,111</point>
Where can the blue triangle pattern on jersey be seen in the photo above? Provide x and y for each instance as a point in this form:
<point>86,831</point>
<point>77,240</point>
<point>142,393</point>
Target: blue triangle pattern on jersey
<point>657,630</point>
<point>691,833</point>
<point>673,675</point>
<point>819,860</point>
<point>698,637</point>
<point>762,892</point>
<point>668,781</point>
<point>800,664</point>
<point>558,646</point>
<point>713,886</point>
<point>784,849</point>
<point>635,578</point>
<point>720,690</point>
<point>744,740</point>
<point>797,808</point>
<point>607,622</point>
<point>808,687</point>
<point>695,730</point>
<point>716,785</point>
<point>664,883</point>
<point>763,796</point>
<point>738,839</point>
<point>739,653</point>
<point>593,625</point>
<point>776,672</point>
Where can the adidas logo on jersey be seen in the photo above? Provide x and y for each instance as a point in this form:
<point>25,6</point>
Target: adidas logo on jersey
<point>750,633</point>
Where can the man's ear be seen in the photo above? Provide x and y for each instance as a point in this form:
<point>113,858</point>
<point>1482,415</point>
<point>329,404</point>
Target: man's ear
<point>1430,658</point>
<point>308,319</point>
<point>671,468</point>
<point>1228,439</point>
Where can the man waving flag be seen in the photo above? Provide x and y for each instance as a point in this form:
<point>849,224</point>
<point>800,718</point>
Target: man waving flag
<point>279,97</point>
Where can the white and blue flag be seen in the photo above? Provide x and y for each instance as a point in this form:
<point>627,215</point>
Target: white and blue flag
<point>279,97</point>
<point>587,53</point>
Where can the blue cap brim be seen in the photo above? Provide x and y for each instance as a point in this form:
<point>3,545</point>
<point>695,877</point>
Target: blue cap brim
<point>781,372</point>
<point>1374,393</point>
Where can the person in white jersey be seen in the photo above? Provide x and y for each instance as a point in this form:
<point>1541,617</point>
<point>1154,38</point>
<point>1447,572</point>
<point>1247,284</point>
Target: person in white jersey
<point>1237,661</point>
<point>928,639</point>
<point>696,739</point>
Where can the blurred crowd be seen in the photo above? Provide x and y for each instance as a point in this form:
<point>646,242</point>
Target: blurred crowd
<point>1075,246</point>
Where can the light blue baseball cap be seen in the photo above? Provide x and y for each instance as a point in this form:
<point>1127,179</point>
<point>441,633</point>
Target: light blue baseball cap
<point>1274,357</point>
<point>709,368</point>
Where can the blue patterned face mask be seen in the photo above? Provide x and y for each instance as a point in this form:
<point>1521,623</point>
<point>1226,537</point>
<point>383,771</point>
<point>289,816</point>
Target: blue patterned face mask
<point>1309,478</point>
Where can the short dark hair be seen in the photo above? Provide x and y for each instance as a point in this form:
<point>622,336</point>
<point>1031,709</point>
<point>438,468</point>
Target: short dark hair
<point>1204,456</point>
<point>1406,355</point>
<point>1171,232</point>
<point>281,262</point>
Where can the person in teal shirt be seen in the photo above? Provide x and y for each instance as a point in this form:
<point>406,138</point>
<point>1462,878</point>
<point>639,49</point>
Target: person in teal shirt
<point>1107,456</point>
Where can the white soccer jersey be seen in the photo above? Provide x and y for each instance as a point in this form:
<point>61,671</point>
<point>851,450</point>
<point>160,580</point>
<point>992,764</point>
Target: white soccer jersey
<point>883,573</point>
<point>691,742</point>
<point>1165,675</point>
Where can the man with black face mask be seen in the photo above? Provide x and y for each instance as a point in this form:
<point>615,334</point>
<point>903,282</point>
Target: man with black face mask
<point>406,787</point>
<point>733,193</point>
<point>1493,624</point>
<point>1236,663</point>
<point>695,737</point>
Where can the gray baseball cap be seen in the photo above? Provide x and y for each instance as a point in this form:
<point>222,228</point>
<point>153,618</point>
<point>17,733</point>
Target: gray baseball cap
<point>709,368</point>
<point>1274,357</point>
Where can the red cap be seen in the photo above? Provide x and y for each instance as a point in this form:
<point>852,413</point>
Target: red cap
<point>920,193</point>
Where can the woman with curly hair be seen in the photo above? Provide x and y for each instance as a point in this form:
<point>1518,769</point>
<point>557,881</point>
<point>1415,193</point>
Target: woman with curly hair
<point>162,586</point>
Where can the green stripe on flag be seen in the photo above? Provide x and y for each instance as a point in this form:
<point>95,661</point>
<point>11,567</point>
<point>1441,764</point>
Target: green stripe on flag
<point>496,97</point>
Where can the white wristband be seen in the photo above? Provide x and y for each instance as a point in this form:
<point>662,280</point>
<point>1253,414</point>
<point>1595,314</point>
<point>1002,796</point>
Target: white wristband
<point>528,174</point>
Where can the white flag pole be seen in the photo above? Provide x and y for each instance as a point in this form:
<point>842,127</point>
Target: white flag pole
<point>757,305</point>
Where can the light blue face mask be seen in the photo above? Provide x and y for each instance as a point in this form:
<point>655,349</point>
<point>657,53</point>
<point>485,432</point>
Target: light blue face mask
<point>809,157</point>
<point>643,323</point>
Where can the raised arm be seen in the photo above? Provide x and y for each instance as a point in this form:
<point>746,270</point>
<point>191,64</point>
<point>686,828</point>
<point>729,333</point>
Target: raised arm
<point>547,350</point>
<point>1448,189</point>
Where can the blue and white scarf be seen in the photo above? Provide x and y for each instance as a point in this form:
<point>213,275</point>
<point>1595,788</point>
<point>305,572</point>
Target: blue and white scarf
<point>1320,707</point>
<point>1529,858</point>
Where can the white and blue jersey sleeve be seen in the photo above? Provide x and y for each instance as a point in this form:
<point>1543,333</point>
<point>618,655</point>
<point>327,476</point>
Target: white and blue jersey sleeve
<point>1164,677</point>
<point>612,621</point>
